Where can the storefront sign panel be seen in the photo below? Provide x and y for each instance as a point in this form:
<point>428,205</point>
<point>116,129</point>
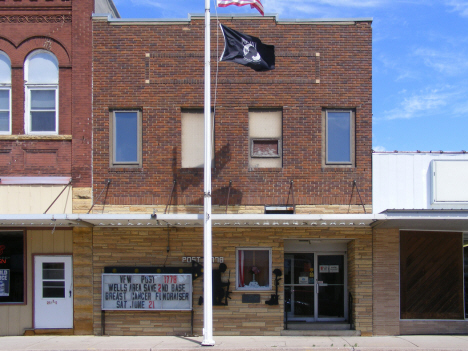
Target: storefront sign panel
<point>147,292</point>
<point>4,282</point>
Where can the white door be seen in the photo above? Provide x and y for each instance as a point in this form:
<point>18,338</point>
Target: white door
<point>53,292</point>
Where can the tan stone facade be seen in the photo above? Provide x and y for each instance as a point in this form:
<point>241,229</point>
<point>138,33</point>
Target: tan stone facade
<point>148,247</point>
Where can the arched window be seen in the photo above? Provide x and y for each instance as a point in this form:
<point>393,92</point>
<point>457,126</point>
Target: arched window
<point>5,94</point>
<point>41,76</point>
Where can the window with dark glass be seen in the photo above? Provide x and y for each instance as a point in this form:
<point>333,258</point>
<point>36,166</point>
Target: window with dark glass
<point>339,137</point>
<point>126,138</point>
<point>12,274</point>
<point>53,279</point>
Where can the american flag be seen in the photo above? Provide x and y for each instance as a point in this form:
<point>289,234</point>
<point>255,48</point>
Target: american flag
<point>253,4</point>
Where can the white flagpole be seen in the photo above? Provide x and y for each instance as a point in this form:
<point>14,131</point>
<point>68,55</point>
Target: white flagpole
<point>207,269</point>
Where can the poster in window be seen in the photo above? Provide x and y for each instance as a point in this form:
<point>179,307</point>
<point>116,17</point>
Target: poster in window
<point>4,282</point>
<point>12,267</point>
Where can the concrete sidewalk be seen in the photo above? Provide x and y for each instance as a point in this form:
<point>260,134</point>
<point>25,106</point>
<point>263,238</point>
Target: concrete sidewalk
<point>289,343</point>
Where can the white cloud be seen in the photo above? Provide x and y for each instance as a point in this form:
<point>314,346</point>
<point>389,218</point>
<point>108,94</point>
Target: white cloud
<point>379,148</point>
<point>446,62</point>
<point>425,103</point>
<point>460,6</point>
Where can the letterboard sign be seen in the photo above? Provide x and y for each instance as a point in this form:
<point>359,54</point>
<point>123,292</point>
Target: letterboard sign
<point>147,292</point>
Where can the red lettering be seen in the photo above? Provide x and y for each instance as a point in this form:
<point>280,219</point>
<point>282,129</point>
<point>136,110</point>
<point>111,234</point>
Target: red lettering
<point>2,260</point>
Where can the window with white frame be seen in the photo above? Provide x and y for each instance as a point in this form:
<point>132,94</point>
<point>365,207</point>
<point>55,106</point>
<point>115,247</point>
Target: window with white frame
<point>339,137</point>
<point>41,75</point>
<point>125,141</point>
<point>265,138</point>
<point>253,269</point>
<point>5,94</point>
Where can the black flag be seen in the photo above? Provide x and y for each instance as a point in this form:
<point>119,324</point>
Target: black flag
<point>247,50</point>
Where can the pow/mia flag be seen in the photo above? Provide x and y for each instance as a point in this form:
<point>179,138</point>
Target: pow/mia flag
<point>247,50</point>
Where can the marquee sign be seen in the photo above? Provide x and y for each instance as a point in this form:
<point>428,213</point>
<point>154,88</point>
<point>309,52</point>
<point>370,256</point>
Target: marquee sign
<point>147,292</point>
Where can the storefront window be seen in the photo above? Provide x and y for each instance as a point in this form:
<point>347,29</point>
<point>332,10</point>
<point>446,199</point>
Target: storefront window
<point>12,267</point>
<point>253,269</point>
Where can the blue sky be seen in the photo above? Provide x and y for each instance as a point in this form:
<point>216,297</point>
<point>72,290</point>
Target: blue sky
<point>420,61</point>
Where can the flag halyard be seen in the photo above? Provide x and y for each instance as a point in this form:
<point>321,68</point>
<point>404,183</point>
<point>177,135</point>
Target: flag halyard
<point>254,4</point>
<point>247,50</point>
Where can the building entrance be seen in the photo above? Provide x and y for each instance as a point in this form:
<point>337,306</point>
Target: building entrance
<point>315,287</point>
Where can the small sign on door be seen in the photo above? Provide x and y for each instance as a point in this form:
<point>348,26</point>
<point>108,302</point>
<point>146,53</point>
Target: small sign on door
<point>324,269</point>
<point>334,269</point>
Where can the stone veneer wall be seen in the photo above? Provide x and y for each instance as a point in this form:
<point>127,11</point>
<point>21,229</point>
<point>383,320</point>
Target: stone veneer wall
<point>83,280</point>
<point>386,273</point>
<point>147,247</point>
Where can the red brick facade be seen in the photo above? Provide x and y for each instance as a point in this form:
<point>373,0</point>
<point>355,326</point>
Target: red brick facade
<point>158,69</point>
<point>63,28</point>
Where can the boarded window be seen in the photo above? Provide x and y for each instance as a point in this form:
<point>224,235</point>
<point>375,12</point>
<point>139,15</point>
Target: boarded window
<point>265,136</point>
<point>193,139</point>
<point>431,271</point>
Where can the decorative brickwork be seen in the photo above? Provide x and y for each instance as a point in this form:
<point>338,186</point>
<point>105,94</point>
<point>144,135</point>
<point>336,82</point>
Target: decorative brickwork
<point>63,28</point>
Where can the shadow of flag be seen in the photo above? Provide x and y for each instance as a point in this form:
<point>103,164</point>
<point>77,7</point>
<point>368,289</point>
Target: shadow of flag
<point>247,50</point>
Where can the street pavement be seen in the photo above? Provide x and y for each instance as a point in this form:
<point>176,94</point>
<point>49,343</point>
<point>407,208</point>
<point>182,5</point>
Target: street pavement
<point>236,343</point>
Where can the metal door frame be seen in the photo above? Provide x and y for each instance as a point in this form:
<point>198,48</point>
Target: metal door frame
<point>315,318</point>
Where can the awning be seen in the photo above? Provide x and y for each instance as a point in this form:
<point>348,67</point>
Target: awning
<point>187,220</point>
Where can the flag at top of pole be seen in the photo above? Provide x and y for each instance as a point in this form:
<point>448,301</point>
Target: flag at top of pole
<point>255,4</point>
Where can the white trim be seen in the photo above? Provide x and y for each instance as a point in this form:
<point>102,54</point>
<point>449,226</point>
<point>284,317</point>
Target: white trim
<point>270,268</point>
<point>28,87</point>
<point>27,111</point>
<point>33,180</point>
<point>8,88</point>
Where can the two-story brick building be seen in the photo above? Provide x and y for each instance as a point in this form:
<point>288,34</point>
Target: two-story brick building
<point>45,156</point>
<point>291,174</point>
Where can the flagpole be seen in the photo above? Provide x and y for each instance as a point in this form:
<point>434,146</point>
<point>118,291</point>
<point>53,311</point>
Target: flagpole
<point>207,235</point>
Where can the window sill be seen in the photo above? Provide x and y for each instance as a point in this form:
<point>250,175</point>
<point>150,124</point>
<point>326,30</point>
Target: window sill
<point>137,169</point>
<point>265,170</point>
<point>35,137</point>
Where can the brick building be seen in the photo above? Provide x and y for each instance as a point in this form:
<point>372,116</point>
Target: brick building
<point>282,200</point>
<point>45,155</point>
<point>286,204</point>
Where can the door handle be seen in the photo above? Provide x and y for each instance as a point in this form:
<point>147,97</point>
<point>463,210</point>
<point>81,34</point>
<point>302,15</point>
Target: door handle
<point>70,293</point>
<point>317,288</point>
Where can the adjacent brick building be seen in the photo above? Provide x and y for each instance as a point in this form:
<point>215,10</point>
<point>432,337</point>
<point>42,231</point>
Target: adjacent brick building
<point>45,148</point>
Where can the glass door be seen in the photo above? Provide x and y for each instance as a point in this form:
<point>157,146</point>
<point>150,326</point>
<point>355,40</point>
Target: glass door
<point>314,287</point>
<point>299,287</point>
<point>330,288</point>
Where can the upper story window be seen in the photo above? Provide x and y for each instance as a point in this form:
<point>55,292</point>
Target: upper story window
<point>5,94</point>
<point>126,138</point>
<point>265,138</point>
<point>339,137</point>
<point>41,75</point>
<point>193,138</point>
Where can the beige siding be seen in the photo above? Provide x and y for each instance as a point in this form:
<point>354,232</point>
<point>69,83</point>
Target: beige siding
<point>15,319</point>
<point>20,199</point>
